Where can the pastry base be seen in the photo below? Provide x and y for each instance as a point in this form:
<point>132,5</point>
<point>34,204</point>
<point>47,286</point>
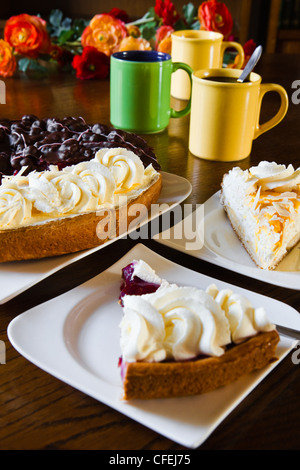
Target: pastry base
<point>146,380</point>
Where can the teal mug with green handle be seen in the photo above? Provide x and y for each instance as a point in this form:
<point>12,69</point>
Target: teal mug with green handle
<point>140,91</point>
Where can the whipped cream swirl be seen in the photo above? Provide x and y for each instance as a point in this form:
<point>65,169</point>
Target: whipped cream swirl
<point>244,319</point>
<point>99,180</point>
<point>14,207</point>
<point>272,176</point>
<point>127,168</point>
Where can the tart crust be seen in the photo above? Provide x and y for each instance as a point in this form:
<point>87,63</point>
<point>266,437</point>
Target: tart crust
<point>146,380</point>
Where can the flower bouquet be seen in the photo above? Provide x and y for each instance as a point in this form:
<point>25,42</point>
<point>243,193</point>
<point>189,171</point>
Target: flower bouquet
<point>84,47</point>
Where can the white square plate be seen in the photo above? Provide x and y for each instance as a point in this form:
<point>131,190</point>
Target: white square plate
<point>75,337</point>
<point>18,276</point>
<point>221,246</point>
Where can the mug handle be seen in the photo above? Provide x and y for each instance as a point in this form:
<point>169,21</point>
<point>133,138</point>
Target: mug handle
<point>238,47</point>
<point>265,88</point>
<point>187,109</point>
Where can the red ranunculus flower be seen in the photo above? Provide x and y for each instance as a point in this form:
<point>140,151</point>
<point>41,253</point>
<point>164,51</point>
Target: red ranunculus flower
<point>120,14</point>
<point>249,47</point>
<point>165,9</point>
<point>91,64</point>
<point>56,52</point>
<point>27,34</point>
<point>215,16</point>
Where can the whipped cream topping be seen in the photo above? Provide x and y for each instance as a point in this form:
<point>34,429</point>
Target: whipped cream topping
<point>272,176</point>
<point>180,323</point>
<point>81,188</point>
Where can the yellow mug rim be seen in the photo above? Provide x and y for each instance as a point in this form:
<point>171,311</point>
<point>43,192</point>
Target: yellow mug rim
<point>197,35</point>
<point>255,79</point>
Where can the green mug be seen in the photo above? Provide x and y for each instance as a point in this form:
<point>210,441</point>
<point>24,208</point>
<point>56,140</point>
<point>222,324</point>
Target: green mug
<point>140,91</point>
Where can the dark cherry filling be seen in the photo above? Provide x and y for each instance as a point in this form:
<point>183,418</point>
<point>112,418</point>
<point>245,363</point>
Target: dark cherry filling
<point>134,285</point>
<point>38,143</point>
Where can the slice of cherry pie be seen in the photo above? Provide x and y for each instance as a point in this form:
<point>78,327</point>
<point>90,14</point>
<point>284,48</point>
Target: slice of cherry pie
<point>179,341</point>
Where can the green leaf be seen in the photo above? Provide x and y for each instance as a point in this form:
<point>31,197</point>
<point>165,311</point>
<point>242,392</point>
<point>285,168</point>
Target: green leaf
<point>148,30</point>
<point>65,36</point>
<point>55,17</point>
<point>26,64</point>
<point>35,65</point>
<point>23,64</point>
<point>195,25</point>
<point>78,26</point>
<point>189,12</point>
<point>150,13</point>
<point>148,33</point>
<point>66,23</point>
<point>180,24</point>
<point>57,23</point>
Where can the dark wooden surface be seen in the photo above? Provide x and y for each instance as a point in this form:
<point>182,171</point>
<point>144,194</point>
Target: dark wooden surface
<point>39,411</point>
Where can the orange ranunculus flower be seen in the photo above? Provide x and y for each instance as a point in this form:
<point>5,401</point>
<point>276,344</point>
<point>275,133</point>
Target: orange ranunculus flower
<point>163,40</point>
<point>8,61</point>
<point>215,16</point>
<point>27,34</point>
<point>133,31</point>
<point>165,45</point>
<point>105,33</point>
<point>134,44</point>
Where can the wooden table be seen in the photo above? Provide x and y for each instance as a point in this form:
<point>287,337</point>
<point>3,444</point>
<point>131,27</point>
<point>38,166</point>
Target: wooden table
<point>39,411</point>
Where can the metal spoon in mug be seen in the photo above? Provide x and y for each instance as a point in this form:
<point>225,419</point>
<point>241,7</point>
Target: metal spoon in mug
<point>250,65</point>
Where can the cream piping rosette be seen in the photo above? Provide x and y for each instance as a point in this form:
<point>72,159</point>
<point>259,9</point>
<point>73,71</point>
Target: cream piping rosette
<point>244,319</point>
<point>98,179</point>
<point>56,191</point>
<point>14,207</point>
<point>126,167</point>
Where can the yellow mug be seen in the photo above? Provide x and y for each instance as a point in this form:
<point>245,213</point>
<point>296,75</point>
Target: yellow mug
<point>200,50</point>
<point>225,114</point>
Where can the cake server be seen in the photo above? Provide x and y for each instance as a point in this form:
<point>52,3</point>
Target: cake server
<point>287,331</point>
